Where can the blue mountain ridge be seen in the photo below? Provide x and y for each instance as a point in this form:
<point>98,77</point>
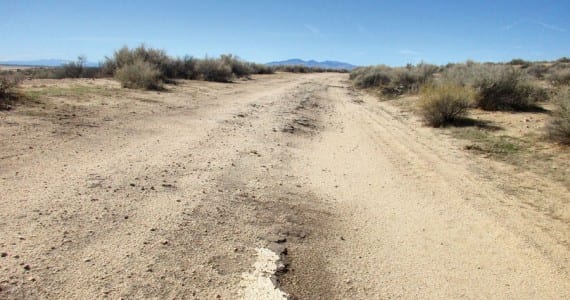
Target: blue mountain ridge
<point>42,63</point>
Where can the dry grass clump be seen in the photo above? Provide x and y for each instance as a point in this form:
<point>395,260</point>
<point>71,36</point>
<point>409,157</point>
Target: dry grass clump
<point>559,126</point>
<point>445,103</point>
<point>139,74</point>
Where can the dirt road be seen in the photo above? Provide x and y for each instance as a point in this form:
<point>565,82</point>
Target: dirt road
<point>109,193</point>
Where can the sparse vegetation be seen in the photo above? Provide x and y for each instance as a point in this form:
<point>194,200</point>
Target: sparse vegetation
<point>487,143</point>
<point>559,126</point>
<point>223,69</point>
<point>215,70</point>
<point>139,74</point>
<point>8,90</point>
<point>393,81</point>
<point>306,69</point>
<point>508,90</point>
<point>444,103</point>
<point>559,75</point>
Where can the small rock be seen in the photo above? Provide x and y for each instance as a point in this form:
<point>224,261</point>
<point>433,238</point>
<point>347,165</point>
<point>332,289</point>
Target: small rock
<point>27,267</point>
<point>3,254</point>
<point>131,184</point>
<point>165,242</point>
<point>342,238</point>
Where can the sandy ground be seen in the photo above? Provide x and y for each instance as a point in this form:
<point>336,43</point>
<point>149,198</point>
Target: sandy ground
<point>110,193</point>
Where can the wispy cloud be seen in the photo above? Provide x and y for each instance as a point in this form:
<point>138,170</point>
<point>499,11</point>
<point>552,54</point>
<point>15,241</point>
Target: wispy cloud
<point>538,23</point>
<point>510,26</point>
<point>314,30</point>
<point>551,27</point>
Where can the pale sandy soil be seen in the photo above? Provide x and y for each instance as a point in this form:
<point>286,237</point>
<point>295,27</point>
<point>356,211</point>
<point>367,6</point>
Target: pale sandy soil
<point>110,193</point>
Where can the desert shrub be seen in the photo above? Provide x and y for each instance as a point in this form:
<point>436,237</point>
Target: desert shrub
<point>261,69</point>
<point>537,70</point>
<point>187,68</point>
<point>139,75</point>
<point>215,70</point>
<point>559,126</point>
<point>444,103</point>
<point>471,73</point>
<point>393,81</point>
<point>510,90</point>
<point>369,77</point>
<point>73,69</point>
<point>126,56</point>
<point>239,68</point>
<point>519,62</point>
<point>559,76</point>
<point>8,85</point>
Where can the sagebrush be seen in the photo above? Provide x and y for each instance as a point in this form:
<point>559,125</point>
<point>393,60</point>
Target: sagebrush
<point>8,89</point>
<point>139,74</point>
<point>559,126</point>
<point>443,104</point>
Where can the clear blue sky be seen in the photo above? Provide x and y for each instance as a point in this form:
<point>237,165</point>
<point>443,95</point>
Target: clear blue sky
<point>358,32</point>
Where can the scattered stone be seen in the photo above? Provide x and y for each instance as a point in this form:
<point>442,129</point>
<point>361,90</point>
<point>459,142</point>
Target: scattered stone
<point>27,267</point>
<point>131,184</point>
<point>164,242</point>
<point>3,254</point>
<point>342,238</point>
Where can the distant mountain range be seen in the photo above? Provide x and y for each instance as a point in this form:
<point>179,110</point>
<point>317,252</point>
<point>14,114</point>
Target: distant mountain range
<point>42,63</point>
<point>313,63</point>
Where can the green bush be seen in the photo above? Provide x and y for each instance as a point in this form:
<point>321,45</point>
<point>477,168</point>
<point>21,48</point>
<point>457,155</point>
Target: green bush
<point>442,104</point>
<point>559,126</point>
<point>139,75</point>
<point>215,70</point>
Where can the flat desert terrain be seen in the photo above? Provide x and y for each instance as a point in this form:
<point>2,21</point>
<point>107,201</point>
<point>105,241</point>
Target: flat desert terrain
<point>300,182</point>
